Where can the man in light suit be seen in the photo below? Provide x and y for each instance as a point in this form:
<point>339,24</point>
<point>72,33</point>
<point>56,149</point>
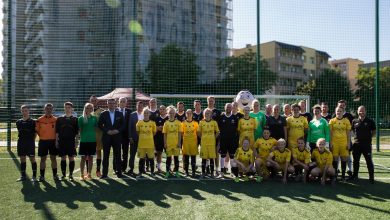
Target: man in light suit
<point>112,123</point>
<point>133,136</point>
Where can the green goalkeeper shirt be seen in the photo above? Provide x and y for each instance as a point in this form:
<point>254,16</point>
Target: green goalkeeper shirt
<point>318,129</point>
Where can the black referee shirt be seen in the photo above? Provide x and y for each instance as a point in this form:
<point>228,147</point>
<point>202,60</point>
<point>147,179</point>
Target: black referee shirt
<point>26,129</point>
<point>228,126</point>
<point>197,117</point>
<point>67,127</point>
<point>363,130</point>
<point>276,126</point>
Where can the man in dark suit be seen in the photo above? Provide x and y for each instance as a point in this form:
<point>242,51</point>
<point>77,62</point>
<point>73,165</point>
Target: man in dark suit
<point>112,123</point>
<point>134,118</point>
<point>125,133</point>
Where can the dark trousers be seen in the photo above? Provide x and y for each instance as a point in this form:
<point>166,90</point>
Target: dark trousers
<point>124,154</point>
<point>358,150</point>
<point>133,152</point>
<point>115,143</point>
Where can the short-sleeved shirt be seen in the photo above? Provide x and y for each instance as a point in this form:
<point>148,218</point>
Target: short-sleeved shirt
<point>261,122</point>
<point>302,156</point>
<point>363,130</point>
<point>318,129</point>
<point>322,159</point>
<point>215,114</point>
<point>154,115</point>
<point>26,129</point>
<point>327,117</point>
<point>189,131</point>
<point>276,126</point>
<point>172,129</point>
<point>308,116</point>
<point>246,128</point>
<point>228,126</point>
<point>296,129</point>
<point>263,146</point>
<point>181,117</point>
<point>339,129</point>
<point>197,117</point>
<point>146,130</point>
<point>281,157</point>
<point>244,156</point>
<point>208,129</point>
<point>87,128</point>
<point>67,127</point>
<point>159,136</point>
<point>46,127</point>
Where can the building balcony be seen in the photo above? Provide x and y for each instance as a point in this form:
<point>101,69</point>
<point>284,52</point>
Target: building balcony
<point>325,66</point>
<point>292,61</point>
<point>291,75</point>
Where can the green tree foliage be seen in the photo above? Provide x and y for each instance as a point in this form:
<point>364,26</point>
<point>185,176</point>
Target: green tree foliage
<point>365,94</point>
<point>173,70</point>
<point>329,87</point>
<point>239,72</point>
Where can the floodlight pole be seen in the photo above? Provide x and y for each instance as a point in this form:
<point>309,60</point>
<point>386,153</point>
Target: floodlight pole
<point>377,73</point>
<point>9,74</point>
<point>134,53</point>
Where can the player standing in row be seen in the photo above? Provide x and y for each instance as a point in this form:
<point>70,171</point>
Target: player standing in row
<point>197,114</point>
<point>364,129</point>
<point>87,124</point>
<point>325,111</point>
<point>318,128</point>
<point>208,132</point>
<point>247,126</point>
<point>134,118</point>
<point>146,129</point>
<point>159,136</point>
<point>26,143</point>
<point>287,110</point>
<point>180,114</point>
<point>340,129</point>
<point>154,111</point>
<point>277,124</point>
<point>215,116</point>
<point>189,128</point>
<point>112,123</point>
<point>343,104</point>
<point>67,137</point>
<point>307,115</point>
<point>99,134</point>
<point>259,117</point>
<point>172,141</point>
<point>297,126</point>
<point>46,130</point>
<point>228,136</point>
<point>125,134</point>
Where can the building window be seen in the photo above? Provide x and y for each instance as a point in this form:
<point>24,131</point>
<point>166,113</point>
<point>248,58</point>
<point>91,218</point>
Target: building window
<point>312,61</point>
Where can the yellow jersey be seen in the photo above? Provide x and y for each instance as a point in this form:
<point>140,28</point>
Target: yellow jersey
<point>322,159</point>
<point>146,131</point>
<point>246,128</point>
<point>245,157</point>
<point>172,129</point>
<point>302,156</point>
<point>281,157</point>
<point>338,130</point>
<point>295,129</point>
<point>190,137</point>
<point>208,129</point>
<point>263,147</point>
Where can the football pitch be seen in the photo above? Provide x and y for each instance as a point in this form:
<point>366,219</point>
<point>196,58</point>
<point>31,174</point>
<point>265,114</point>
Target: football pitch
<point>182,198</point>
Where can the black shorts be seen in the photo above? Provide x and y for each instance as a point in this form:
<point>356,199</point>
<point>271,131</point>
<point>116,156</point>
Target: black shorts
<point>228,146</point>
<point>26,148</point>
<point>67,148</point>
<point>312,147</point>
<point>87,148</point>
<point>46,147</point>
<point>159,144</point>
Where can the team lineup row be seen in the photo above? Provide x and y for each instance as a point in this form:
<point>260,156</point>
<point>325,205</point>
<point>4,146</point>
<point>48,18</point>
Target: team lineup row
<point>256,144</point>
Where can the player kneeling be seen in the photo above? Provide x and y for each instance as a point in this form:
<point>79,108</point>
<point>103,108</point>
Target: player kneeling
<point>243,161</point>
<point>301,160</point>
<point>322,161</point>
<point>279,160</point>
<point>262,148</point>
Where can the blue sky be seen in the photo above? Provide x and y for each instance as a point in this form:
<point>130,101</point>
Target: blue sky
<point>343,28</point>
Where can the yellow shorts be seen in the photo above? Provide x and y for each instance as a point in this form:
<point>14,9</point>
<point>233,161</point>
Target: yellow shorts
<point>292,144</point>
<point>208,152</point>
<point>143,152</point>
<point>173,151</point>
<point>190,149</point>
<point>340,151</point>
<point>99,143</point>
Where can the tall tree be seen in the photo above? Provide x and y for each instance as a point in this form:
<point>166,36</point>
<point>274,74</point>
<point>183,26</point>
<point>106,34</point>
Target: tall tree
<point>240,72</point>
<point>366,91</point>
<point>173,70</point>
<point>329,87</point>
